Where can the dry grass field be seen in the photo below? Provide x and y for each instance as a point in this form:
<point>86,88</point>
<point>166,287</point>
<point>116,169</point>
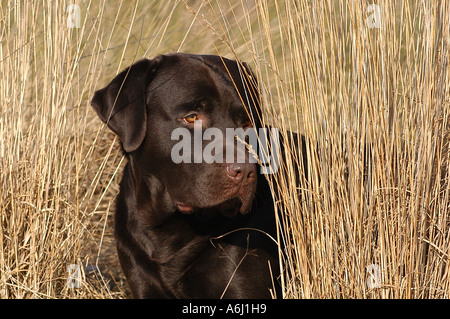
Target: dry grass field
<point>368,85</point>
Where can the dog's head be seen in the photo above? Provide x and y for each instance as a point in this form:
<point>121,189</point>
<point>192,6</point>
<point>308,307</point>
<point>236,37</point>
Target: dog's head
<point>169,113</point>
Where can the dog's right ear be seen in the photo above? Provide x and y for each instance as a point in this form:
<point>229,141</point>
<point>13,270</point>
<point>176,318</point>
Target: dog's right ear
<point>122,103</point>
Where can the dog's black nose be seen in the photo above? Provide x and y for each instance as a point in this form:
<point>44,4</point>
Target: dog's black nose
<point>241,172</point>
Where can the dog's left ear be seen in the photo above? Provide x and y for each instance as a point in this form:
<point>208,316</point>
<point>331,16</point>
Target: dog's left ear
<point>122,103</point>
<point>244,81</point>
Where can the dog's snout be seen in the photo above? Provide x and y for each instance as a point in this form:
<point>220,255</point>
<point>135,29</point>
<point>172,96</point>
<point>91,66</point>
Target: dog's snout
<point>241,172</point>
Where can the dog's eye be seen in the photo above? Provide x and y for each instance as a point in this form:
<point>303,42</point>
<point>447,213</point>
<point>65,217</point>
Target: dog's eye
<point>247,123</point>
<point>191,118</point>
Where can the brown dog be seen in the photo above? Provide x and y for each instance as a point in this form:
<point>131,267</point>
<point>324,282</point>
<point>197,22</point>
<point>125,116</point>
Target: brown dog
<point>189,229</point>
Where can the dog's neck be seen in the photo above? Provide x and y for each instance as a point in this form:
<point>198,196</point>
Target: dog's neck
<point>153,203</point>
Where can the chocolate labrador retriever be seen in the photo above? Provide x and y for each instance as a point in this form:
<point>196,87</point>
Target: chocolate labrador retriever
<point>189,229</point>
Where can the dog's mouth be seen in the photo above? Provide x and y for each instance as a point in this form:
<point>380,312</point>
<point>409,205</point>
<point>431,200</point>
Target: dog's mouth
<point>229,200</point>
<point>227,208</point>
<point>185,209</point>
<point>230,207</point>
